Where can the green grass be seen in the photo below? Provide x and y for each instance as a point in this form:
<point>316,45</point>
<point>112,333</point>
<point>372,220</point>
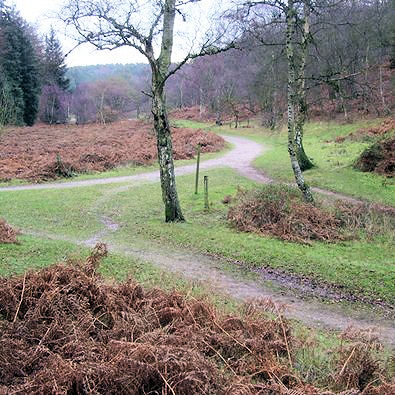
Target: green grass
<point>364,266</point>
<point>35,253</point>
<point>313,354</point>
<point>333,171</point>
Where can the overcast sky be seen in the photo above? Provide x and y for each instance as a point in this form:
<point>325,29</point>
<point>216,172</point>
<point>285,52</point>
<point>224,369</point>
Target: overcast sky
<point>41,14</point>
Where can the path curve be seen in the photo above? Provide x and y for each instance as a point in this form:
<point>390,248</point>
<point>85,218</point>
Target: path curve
<point>202,268</point>
<point>239,158</point>
<point>206,270</point>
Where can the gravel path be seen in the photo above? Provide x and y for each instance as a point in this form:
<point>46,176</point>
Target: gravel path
<point>240,158</point>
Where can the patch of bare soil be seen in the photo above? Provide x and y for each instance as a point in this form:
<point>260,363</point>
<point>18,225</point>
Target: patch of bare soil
<point>378,158</point>
<point>45,152</point>
<point>64,330</point>
<point>279,210</point>
<point>8,235</point>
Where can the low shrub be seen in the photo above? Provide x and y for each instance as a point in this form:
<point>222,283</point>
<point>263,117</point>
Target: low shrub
<point>279,210</point>
<point>378,158</point>
<point>8,235</point>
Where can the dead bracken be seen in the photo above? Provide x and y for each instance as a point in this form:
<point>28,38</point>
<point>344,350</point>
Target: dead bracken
<point>280,211</point>
<point>45,152</point>
<point>378,158</point>
<point>64,330</point>
<point>8,235</point>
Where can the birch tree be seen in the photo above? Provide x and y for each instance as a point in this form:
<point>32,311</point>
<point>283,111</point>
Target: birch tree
<point>295,14</point>
<point>149,28</point>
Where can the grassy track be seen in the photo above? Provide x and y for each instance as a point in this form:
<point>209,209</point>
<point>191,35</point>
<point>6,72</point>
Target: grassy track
<point>365,266</point>
<point>333,160</point>
<point>313,357</point>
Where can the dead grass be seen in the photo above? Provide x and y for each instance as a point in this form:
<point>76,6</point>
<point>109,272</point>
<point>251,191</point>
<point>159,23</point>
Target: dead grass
<point>279,211</point>
<point>45,152</point>
<point>64,330</point>
<point>357,364</point>
<point>8,235</point>
<point>195,114</point>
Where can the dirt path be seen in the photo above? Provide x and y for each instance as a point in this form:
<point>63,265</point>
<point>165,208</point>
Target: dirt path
<point>239,158</point>
<point>302,304</point>
<point>209,272</point>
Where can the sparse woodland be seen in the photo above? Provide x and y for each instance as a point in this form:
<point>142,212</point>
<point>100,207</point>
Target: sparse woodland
<point>266,266</point>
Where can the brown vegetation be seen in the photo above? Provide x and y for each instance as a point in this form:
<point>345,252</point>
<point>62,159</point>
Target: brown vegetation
<point>45,152</point>
<point>64,330</point>
<point>279,211</point>
<point>7,233</point>
<point>378,158</point>
<point>195,113</point>
<point>385,128</point>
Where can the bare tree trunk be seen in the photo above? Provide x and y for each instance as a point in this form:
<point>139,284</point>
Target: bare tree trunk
<point>385,108</point>
<point>165,158</point>
<point>304,162</point>
<point>291,21</point>
<point>161,122</point>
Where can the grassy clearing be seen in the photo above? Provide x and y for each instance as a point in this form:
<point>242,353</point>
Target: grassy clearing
<point>364,266</point>
<point>333,160</point>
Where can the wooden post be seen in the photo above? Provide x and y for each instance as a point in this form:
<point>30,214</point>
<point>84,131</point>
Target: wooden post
<point>197,169</point>
<point>206,203</point>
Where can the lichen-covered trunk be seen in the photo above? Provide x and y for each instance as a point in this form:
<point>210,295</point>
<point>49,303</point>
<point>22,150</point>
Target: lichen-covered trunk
<point>301,116</point>
<point>165,158</point>
<point>300,181</point>
<point>160,70</point>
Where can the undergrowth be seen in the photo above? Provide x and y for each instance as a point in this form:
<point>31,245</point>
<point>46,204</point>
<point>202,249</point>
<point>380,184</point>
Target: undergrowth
<point>280,211</point>
<point>65,330</point>
<point>7,233</point>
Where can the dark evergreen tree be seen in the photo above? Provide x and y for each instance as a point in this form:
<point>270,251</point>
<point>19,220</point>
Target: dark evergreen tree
<point>20,67</point>
<point>54,67</point>
<point>52,108</point>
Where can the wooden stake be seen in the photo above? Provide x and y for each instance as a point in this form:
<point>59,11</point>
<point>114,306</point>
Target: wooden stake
<point>206,203</point>
<point>197,169</point>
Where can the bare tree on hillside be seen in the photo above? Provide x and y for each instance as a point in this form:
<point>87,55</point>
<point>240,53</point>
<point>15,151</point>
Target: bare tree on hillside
<point>148,27</point>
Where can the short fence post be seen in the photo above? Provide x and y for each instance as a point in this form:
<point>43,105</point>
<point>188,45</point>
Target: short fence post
<point>206,203</point>
<point>197,169</point>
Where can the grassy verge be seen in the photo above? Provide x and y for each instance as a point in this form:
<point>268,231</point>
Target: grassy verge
<point>365,266</point>
<point>34,253</point>
<point>333,160</point>
<point>313,355</point>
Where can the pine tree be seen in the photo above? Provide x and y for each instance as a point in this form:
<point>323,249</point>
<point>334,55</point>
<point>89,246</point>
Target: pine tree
<point>20,67</point>
<point>54,68</point>
<point>55,81</point>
